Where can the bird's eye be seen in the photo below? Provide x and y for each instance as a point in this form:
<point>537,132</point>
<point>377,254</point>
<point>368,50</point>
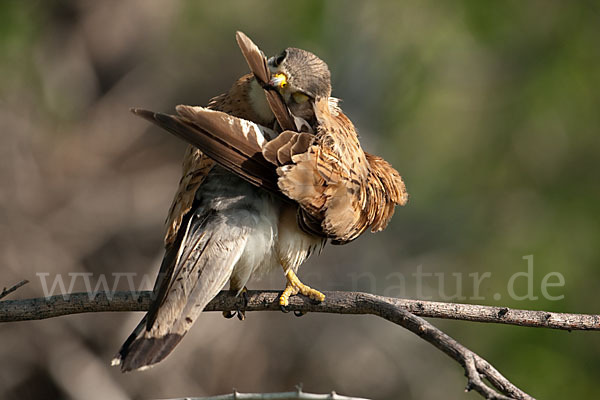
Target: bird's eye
<point>280,58</point>
<point>300,97</point>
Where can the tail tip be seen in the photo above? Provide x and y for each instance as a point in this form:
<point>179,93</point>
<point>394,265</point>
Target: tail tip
<point>143,353</point>
<point>115,362</point>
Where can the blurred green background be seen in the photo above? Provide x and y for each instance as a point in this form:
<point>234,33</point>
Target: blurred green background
<point>490,110</point>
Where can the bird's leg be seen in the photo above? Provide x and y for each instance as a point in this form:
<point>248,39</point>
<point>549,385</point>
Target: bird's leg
<point>294,286</point>
<point>240,312</point>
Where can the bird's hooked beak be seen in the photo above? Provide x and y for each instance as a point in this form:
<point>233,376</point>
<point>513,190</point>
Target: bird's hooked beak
<point>278,81</point>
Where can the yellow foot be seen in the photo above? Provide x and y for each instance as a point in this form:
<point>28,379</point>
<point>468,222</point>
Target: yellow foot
<point>294,286</point>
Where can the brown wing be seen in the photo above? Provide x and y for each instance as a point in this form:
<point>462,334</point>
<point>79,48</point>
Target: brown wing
<point>390,191</point>
<point>258,65</point>
<point>339,185</point>
<point>195,168</point>
<point>254,57</point>
<point>196,165</point>
<point>341,190</point>
<point>233,143</point>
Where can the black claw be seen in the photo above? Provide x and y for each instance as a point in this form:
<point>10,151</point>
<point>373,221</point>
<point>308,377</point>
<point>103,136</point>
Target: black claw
<point>315,302</point>
<point>284,309</point>
<point>241,314</point>
<point>299,313</point>
<point>228,314</point>
<point>245,298</point>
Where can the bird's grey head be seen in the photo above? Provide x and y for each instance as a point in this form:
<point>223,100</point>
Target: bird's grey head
<point>299,75</point>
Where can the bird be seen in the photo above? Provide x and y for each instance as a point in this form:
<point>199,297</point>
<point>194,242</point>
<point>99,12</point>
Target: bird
<point>274,170</point>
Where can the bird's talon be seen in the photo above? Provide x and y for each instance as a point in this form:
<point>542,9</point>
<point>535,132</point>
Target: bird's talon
<point>245,297</point>
<point>241,314</point>
<point>228,314</point>
<point>284,309</point>
<point>299,313</point>
<point>294,286</point>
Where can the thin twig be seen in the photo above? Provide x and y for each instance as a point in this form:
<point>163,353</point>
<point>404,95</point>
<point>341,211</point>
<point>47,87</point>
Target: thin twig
<point>298,395</point>
<point>8,291</point>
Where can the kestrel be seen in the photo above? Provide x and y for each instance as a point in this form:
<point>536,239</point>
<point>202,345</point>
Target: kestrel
<point>254,199</point>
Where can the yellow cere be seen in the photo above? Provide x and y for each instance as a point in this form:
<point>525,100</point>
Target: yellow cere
<point>280,80</point>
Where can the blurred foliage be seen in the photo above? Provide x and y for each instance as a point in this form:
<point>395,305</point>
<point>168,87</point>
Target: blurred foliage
<point>490,110</point>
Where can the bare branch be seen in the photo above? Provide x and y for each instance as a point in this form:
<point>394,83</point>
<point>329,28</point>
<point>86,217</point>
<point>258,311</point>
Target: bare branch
<point>474,365</point>
<point>336,302</point>
<point>8,291</point>
<point>405,313</point>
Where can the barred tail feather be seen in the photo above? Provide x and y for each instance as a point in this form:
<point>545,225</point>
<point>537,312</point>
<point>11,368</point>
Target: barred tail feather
<point>202,265</point>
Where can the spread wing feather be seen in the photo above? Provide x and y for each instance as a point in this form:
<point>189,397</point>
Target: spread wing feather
<point>197,165</point>
<point>258,65</point>
<point>341,190</point>
<point>348,189</point>
<point>211,132</point>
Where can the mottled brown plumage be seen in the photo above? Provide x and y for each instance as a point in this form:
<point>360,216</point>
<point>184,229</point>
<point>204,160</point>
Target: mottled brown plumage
<point>202,250</point>
<point>196,165</point>
<point>342,191</point>
<point>338,186</point>
<point>310,181</point>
